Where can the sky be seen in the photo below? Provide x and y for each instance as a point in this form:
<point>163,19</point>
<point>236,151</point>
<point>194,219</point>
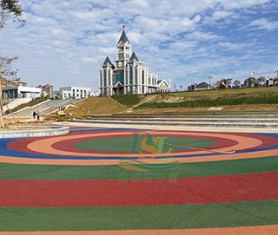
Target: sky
<point>64,43</point>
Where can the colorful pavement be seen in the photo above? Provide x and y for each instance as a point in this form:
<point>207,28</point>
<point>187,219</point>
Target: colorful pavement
<point>127,181</point>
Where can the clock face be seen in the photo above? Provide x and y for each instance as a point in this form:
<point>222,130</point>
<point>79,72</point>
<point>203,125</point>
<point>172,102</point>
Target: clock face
<point>120,64</point>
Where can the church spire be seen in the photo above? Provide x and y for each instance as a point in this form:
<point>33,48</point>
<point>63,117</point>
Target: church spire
<point>123,38</point>
<point>133,57</point>
<point>107,61</point>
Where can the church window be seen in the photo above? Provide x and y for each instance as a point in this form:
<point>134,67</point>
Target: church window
<point>118,77</point>
<point>104,77</point>
<point>135,75</point>
<point>130,74</point>
<point>121,56</point>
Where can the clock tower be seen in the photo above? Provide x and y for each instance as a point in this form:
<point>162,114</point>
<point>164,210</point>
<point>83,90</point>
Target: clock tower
<point>123,51</point>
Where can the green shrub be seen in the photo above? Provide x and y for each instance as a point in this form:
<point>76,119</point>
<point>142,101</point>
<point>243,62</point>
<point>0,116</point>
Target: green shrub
<point>128,99</point>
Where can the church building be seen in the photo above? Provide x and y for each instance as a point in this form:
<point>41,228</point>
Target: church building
<point>128,75</point>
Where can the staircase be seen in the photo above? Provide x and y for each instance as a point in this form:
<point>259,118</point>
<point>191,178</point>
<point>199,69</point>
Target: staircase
<point>223,119</point>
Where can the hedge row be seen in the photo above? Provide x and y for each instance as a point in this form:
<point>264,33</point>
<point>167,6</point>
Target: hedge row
<point>213,102</point>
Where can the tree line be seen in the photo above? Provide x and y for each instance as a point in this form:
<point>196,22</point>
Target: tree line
<point>249,82</point>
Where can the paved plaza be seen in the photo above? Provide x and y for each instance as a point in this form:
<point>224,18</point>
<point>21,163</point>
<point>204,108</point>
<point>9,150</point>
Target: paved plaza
<point>140,181</point>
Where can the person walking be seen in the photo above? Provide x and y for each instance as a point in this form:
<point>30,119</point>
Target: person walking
<point>38,115</point>
<point>34,114</point>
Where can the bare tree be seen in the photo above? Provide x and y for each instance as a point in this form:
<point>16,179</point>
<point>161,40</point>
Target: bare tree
<point>175,87</point>
<point>250,82</point>
<point>9,10</point>
<point>224,83</point>
<point>237,83</point>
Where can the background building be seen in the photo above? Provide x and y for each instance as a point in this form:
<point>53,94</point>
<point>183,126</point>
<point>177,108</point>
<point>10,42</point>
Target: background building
<point>21,92</point>
<point>128,75</point>
<point>47,90</point>
<point>7,83</point>
<point>163,86</point>
<point>203,86</point>
<point>13,89</point>
<point>74,92</point>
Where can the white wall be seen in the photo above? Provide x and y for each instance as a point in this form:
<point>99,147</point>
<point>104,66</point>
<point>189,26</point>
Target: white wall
<point>76,92</point>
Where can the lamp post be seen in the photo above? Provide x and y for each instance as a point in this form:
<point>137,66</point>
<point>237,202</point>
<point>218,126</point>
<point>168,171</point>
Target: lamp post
<point>276,74</point>
<point>2,125</point>
<point>275,81</point>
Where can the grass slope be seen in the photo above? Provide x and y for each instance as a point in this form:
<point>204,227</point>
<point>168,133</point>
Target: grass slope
<point>97,106</point>
<point>259,98</point>
<point>211,98</point>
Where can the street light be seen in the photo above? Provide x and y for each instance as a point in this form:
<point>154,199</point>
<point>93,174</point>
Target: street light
<point>210,78</point>
<point>171,81</point>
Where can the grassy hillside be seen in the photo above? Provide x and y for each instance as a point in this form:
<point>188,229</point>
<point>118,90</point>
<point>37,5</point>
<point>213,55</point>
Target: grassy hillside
<point>216,94</point>
<point>262,98</point>
<point>97,106</point>
<point>29,104</point>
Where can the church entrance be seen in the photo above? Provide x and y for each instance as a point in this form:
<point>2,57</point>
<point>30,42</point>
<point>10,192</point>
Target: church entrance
<point>118,90</point>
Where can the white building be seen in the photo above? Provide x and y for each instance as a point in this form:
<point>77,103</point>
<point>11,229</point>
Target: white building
<point>73,92</point>
<point>203,86</point>
<point>163,86</point>
<point>128,75</point>
<point>21,92</point>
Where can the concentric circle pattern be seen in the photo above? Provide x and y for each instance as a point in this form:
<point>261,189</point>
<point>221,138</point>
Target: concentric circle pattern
<point>112,181</point>
<point>108,146</point>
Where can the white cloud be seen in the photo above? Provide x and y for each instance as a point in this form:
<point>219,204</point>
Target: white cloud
<point>189,23</point>
<point>263,23</point>
<point>230,46</point>
<point>218,15</point>
<point>88,59</point>
<point>237,4</point>
<point>201,36</point>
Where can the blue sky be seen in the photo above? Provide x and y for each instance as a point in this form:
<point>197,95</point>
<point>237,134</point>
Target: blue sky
<point>64,43</point>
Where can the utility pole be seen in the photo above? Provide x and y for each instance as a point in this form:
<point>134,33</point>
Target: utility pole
<point>210,79</point>
<point>276,74</point>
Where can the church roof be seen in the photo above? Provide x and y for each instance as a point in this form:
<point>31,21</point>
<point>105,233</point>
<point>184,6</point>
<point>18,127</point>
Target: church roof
<point>159,82</point>
<point>203,85</point>
<point>123,38</point>
<point>107,61</point>
<point>133,57</point>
